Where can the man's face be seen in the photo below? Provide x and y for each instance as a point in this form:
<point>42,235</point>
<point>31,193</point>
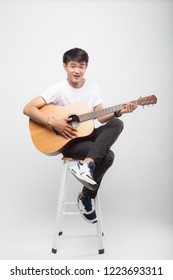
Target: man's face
<point>75,72</point>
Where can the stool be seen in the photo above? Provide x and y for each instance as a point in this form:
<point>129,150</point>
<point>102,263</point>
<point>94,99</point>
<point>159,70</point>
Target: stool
<point>62,202</point>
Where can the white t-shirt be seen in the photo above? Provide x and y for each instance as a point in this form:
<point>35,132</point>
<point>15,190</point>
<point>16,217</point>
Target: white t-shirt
<point>62,94</point>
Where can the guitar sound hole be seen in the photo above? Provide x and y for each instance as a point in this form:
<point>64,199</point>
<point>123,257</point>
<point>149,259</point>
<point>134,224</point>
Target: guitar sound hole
<point>75,120</point>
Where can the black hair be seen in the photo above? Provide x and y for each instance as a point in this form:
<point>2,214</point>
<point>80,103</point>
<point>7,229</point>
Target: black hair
<point>75,54</point>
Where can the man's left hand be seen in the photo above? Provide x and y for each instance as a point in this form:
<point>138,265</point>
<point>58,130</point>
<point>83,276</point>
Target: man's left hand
<point>129,108</point>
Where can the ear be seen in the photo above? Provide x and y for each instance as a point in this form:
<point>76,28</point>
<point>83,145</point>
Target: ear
<point>65,66</point>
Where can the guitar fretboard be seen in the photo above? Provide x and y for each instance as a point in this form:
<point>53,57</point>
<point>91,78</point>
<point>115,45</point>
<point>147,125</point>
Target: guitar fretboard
<point>106,111</point>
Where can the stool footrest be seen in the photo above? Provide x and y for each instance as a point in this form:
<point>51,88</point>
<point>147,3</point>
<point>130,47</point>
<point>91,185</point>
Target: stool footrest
<point>70,213</point>
<point>69,203</point>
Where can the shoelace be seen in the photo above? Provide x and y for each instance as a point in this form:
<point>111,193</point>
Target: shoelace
<point>89,170</point>
<point>86,168</point>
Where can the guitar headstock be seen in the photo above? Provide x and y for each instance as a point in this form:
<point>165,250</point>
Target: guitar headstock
<point>143,101</point>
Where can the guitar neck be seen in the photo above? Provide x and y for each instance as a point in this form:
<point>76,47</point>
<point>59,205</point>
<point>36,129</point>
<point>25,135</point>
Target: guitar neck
<point>95,114</point>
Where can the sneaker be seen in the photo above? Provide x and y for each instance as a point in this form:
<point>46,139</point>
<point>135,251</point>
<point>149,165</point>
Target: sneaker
<point>87,209</point>
<point>83,171</point>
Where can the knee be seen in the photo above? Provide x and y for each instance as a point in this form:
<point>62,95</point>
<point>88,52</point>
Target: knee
<point>110,157</point>
<point>119,124</point>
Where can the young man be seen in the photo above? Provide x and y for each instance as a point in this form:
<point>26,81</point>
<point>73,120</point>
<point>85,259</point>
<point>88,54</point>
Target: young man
<point>93,152</point>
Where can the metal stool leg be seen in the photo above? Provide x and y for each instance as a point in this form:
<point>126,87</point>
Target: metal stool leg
<point>64,197</point>
<point>59,216</point>
<point>99,224</point>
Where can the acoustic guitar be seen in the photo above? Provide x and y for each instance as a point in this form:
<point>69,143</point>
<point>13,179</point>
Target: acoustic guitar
<point>48,141</point>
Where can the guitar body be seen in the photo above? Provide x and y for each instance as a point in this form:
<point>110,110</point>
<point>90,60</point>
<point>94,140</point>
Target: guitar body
<point>47,140</point>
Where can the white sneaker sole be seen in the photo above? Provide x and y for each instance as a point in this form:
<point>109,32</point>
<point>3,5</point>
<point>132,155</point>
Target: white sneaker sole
<point>91,222</point>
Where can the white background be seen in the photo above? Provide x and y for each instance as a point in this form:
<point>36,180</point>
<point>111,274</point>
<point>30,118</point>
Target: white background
<point>130,47</point>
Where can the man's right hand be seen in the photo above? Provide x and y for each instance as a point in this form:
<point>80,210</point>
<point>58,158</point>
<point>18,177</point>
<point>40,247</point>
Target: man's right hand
<point>63,127</point>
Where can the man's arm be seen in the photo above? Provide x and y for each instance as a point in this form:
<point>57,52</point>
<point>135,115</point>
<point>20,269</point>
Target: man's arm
<point>128,108</point>
<point>32,110</point>
<point>60,125</point>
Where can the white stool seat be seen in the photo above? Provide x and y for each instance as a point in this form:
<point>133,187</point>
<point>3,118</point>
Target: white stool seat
<point>62,202</point>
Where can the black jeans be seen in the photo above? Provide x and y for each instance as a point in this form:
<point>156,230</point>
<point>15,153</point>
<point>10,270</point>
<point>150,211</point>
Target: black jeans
<point>97,146</point>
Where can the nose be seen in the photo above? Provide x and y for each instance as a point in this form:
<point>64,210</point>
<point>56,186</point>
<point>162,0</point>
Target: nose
<point>77,70</point>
